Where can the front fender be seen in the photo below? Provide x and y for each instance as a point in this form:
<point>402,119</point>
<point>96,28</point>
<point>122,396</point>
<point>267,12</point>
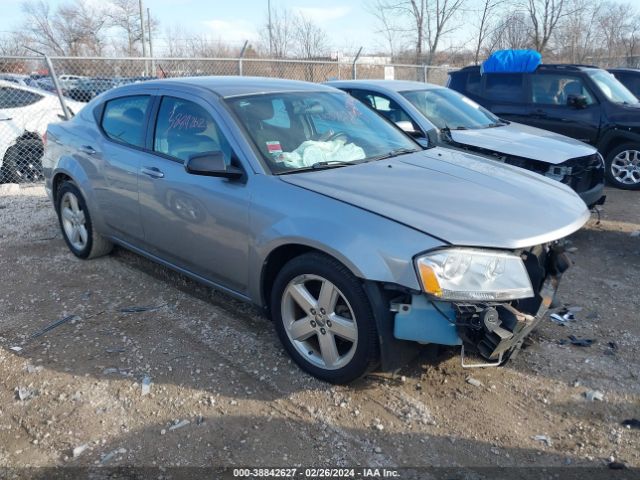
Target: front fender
<point>373,247</point>
<point>615,136</point>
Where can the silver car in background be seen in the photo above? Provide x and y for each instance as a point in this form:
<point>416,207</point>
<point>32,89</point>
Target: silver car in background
<point>450,119</point>
<point>359,244</point>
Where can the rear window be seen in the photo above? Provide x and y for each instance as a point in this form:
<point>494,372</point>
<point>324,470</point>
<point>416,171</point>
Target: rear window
<point>504,87</point>
<point>16,98</point>
<point>123,119</point>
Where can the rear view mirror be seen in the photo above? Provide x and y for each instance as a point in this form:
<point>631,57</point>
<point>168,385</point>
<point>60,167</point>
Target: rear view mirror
<point>577,101</point>
<point>211,164</point>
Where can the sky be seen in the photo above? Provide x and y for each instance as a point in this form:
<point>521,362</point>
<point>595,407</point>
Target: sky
<point>347,22</point>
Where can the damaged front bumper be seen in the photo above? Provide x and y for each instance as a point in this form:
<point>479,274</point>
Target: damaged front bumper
<point>494,329</point>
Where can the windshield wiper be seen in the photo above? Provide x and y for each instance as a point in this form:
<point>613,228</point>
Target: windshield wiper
<point>330,164</point>
<point>320,166</point>
<point>393,153</point>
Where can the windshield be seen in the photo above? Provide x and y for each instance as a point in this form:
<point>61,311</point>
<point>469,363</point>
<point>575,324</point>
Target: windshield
<point>612,88</point>
<point>298,131</point>
<point>448,109</point>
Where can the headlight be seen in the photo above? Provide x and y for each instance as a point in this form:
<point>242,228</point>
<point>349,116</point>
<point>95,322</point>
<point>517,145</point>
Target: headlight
<point>466,274</point>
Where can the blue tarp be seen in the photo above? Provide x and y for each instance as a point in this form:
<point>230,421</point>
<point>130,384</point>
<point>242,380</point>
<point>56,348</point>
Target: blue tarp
<point>512,61</point>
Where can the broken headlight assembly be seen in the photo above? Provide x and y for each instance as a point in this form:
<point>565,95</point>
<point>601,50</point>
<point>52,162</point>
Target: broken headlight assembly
<point>468,274</point>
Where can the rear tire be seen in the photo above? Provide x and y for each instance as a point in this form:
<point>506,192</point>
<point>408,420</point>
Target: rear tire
<point>75,223</point>
<point>22,162</point>
<point>324,319</point>
<point>623,167</point>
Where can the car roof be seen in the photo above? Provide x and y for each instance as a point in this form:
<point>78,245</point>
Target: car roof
<point>227,86</point>
<point>394,85</point>
<point>624,69</point>
<point>542,67</point>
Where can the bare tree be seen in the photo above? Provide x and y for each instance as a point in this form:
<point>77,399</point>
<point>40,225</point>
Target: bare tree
<point>388,26</point>
<point>576,35</point>
<point>631,41</point>
<point>124,16</point>
<point>486,25</point>
<point>612,23</point>
<point>12,44</point>
<point>512,32</point>
<point>283,30</point>
<point>544,16</point>
<point>75,28</point>
<point>311,41</point>
<point>428,21</point>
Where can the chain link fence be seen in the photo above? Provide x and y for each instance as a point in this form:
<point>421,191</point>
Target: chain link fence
<point>29,99</point>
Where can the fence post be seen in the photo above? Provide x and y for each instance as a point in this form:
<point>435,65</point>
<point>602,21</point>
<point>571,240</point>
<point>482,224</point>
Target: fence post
<point>242,52</point>
<point>354,68</point>
<point>56,84</point>
<point>425,75</point>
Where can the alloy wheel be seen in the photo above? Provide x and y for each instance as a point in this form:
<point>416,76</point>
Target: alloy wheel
<point>625,167</point>
<point>74,221</point>
<point>319,321</point>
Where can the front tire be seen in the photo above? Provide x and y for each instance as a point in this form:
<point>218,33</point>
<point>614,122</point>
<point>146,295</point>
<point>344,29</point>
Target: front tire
<point>324,319</point>
<point>75,223</point>
<point>623,167</point>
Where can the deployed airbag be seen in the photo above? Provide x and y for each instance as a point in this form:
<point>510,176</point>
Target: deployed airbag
<point>313,151</point>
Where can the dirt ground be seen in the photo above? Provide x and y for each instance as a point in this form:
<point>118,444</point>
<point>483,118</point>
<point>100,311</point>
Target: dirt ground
<point>74,395</point>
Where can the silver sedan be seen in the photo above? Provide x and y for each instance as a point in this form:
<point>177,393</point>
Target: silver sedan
<point>358,244</point>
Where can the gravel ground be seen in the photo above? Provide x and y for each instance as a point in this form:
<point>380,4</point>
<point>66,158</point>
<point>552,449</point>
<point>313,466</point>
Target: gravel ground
<point>222,391</point>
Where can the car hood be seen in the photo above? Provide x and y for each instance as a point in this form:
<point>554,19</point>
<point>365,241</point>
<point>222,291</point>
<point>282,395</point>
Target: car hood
<point>456,197</point>
<point>524,141</point>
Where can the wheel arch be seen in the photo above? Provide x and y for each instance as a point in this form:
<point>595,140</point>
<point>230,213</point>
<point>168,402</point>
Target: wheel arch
<point>616,137</point>
<point>279,256</point>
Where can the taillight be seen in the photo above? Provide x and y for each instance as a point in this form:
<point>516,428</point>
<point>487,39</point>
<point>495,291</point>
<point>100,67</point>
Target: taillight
<point>44,139</point>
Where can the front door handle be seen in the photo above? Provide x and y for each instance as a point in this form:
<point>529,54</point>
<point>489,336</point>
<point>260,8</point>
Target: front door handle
<point>88,149</point>
<point>153,172</point>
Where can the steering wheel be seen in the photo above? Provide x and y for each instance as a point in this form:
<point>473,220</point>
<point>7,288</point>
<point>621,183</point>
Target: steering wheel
<point>334,136</point>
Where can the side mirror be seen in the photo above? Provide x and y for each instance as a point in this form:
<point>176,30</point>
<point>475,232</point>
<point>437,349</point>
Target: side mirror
<point>576,101</point>
<point>408,128</point>
<point>211,164</point>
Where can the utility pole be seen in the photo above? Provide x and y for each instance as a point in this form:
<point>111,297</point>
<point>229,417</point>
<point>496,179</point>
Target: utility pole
<point>144,45</point>
<point>153,62</point>
<point>270,29</point>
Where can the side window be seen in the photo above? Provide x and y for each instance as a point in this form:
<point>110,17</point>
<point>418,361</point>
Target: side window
<point>383,105</point>
<point>552,89</point>
<point>474,82</point>
<point>506,87</point>
<point>16,98</point>
<point>184,128</point>
<point>123,119</point>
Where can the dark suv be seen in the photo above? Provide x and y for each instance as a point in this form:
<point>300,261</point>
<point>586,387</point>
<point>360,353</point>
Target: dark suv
<point>583,102</point>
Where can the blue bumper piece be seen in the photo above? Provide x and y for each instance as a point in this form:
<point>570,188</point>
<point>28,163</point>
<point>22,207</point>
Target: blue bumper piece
<point>423,323</point>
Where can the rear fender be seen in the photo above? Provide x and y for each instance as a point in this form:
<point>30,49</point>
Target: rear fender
<point>68,166</point>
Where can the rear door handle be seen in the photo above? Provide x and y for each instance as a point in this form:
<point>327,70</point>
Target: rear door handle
<point>88,149</point>
<point>152,172</point>
<point>539,112</point>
